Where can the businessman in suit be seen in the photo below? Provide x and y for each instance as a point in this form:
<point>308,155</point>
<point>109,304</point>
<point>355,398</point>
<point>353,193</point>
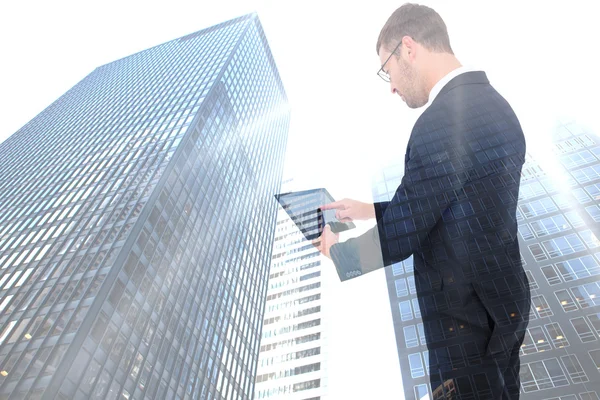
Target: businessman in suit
<point>454,212</point>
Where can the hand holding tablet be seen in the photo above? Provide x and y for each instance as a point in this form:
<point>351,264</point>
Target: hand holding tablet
<point>311,211</point>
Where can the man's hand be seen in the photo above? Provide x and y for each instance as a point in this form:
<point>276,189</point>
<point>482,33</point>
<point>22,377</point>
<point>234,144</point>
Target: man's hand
<point>324,242</point>
<point>351,210</point>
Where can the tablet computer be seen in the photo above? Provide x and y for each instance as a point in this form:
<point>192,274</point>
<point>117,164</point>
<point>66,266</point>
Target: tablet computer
<point>303,208</point>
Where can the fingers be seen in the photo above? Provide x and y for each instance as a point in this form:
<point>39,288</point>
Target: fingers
<point>342,215</point>
<point>332,206</point>
<point>317,243</point>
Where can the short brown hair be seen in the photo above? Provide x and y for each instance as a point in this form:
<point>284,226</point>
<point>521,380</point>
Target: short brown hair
<point>421,23</point>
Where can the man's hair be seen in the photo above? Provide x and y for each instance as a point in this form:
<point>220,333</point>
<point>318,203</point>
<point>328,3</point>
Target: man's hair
<point>421,23</point>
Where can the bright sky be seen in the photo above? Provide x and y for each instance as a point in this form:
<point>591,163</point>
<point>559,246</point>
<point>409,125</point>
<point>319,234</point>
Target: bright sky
<point>345,124</point>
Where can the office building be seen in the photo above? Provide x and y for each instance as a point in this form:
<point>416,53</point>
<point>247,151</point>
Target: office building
<point>293,350</point>
<point>136,225</point>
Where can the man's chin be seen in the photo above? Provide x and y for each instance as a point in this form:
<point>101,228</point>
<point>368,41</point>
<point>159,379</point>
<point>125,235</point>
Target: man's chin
<point>414,105</point>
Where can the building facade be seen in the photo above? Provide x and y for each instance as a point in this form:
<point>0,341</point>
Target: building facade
<point>293,350</point>
<point>559,226</point>
<point>136,225</point>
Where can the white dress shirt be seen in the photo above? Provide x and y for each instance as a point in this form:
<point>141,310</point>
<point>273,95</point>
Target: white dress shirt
<point>437,88</point>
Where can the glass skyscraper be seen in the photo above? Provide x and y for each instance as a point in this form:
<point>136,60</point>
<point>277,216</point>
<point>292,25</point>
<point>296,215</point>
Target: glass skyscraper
<point>559,227</point>
<point>136,225</point>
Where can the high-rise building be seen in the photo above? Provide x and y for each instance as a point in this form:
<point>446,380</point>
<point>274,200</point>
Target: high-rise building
<point>559,226</point>
<point>136,225</point>
<point>293,350</point>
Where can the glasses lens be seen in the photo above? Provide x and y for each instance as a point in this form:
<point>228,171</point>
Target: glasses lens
<point>383,75</point>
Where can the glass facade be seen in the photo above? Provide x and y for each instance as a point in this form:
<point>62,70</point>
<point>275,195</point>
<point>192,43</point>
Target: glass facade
<point>559,228</point>
<point>136,225</point>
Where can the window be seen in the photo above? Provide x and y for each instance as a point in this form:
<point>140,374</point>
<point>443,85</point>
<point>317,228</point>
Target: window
<point>595,321</point>
<point>397,269</point>
<point>576,372</point>
<point>416,365</point>
<point>583,329</point>
<point>550,225</point>
<point>589,396</point>
<point>401,287</point>
<point>586,174</point>
<point>563,200</point>
<point>410,336</point>
<point>581,195</point>
<point>526,232</point>
<point>315,383</point>
<point>417,310</point>
<point>593,190</point>
<point>594,212</point>
<point>421,392</point>
<point>575,220</point>
<point>556,334</point>
<point>532,283</point>
<point>537,252</point>
<point>541,306</point>
<point>578,268</point>
<point>411,284</point>
<point>539,339</point>
<point>562,246</point>
<point>421,331</point>
<point>405,311</point>
<point>551,275</point>
<point>595,356</point>
<point>530,190</point>
<point>565,300</point>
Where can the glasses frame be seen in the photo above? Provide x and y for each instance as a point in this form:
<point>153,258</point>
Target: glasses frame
<point>383,74</point>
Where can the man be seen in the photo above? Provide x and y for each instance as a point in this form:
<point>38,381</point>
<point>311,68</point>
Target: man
<point>454,211</point>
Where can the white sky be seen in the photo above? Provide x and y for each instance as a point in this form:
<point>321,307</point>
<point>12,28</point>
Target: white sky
<point>345,124</point>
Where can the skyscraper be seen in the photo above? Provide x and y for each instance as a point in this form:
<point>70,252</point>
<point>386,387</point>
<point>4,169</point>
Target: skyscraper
<point>559,226</point>
<point>136,224</point>
<point>293,350</point>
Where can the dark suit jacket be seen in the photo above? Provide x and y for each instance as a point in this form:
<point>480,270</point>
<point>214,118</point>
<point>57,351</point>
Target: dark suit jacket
<point>454,211</point>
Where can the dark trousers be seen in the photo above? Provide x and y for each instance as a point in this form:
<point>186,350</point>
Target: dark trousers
<point>474,345</point>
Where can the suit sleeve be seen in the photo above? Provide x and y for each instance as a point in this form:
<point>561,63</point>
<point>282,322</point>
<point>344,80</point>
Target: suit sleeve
<point>434,175</point>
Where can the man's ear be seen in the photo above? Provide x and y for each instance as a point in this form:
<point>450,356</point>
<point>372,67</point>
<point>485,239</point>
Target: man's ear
<point>411,47</point>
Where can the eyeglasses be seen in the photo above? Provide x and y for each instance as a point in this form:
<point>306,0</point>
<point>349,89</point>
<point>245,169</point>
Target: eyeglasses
<point>382,74</point>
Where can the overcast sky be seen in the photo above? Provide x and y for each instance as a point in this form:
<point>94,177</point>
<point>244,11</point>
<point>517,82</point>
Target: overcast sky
<point>345,123</point>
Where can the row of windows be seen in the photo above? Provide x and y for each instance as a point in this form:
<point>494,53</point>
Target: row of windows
<point>564,245</point>
<point>266,361</point>
<point>571,270</point>
<point>291,342</point>
<point>535,376</point>
<point>585,326</point>
<point>288,316</point>
<point>291,328</point>
<point>297,387</point>
<point>288,282</point>
<point>289,372</point>
<point>294,303</point>
<point>294,291</point>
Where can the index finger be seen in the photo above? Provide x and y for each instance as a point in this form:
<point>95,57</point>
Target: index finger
<point>332,206</point>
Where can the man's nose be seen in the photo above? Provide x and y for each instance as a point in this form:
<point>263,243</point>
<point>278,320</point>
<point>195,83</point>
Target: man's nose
<point>392,89</point>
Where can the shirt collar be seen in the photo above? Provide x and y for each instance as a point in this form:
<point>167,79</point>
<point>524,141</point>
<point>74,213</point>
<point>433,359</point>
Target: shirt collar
<point>442,82</point>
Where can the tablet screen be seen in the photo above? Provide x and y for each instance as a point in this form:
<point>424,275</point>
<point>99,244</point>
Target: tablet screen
<point>302,207</point>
